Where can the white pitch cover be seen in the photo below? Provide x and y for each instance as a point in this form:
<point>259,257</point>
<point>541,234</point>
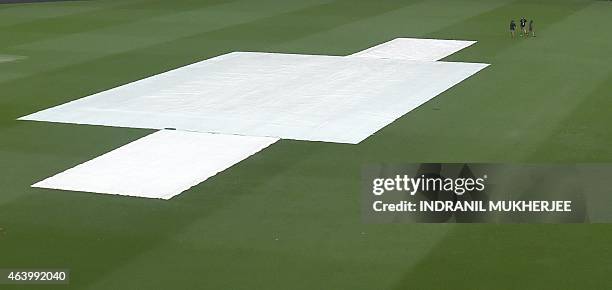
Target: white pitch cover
<point>415,49</point>
<point>270,95</point>
<point>160,165</point>
<point>289,96</point>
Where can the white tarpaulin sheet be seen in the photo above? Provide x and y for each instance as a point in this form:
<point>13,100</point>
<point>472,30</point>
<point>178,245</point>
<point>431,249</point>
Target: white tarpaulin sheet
<point>415,49</point>
<point>160,165</point>
<point>303,97</point>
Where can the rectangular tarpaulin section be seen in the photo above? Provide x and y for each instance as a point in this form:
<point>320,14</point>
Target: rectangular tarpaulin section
<point>415,49</point>
<point>290,96</point>
<point>160,165</point>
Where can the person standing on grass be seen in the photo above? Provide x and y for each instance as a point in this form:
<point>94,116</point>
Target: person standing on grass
<point>531,28</point>
<point>512,28</point>
<point>523,27</point>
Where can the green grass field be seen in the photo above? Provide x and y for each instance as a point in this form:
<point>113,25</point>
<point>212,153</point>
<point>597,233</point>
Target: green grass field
<point>289,217</point>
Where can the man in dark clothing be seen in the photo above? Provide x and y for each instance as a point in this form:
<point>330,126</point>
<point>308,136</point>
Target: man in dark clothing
<point>512,28</point>
<point>523,27</point>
